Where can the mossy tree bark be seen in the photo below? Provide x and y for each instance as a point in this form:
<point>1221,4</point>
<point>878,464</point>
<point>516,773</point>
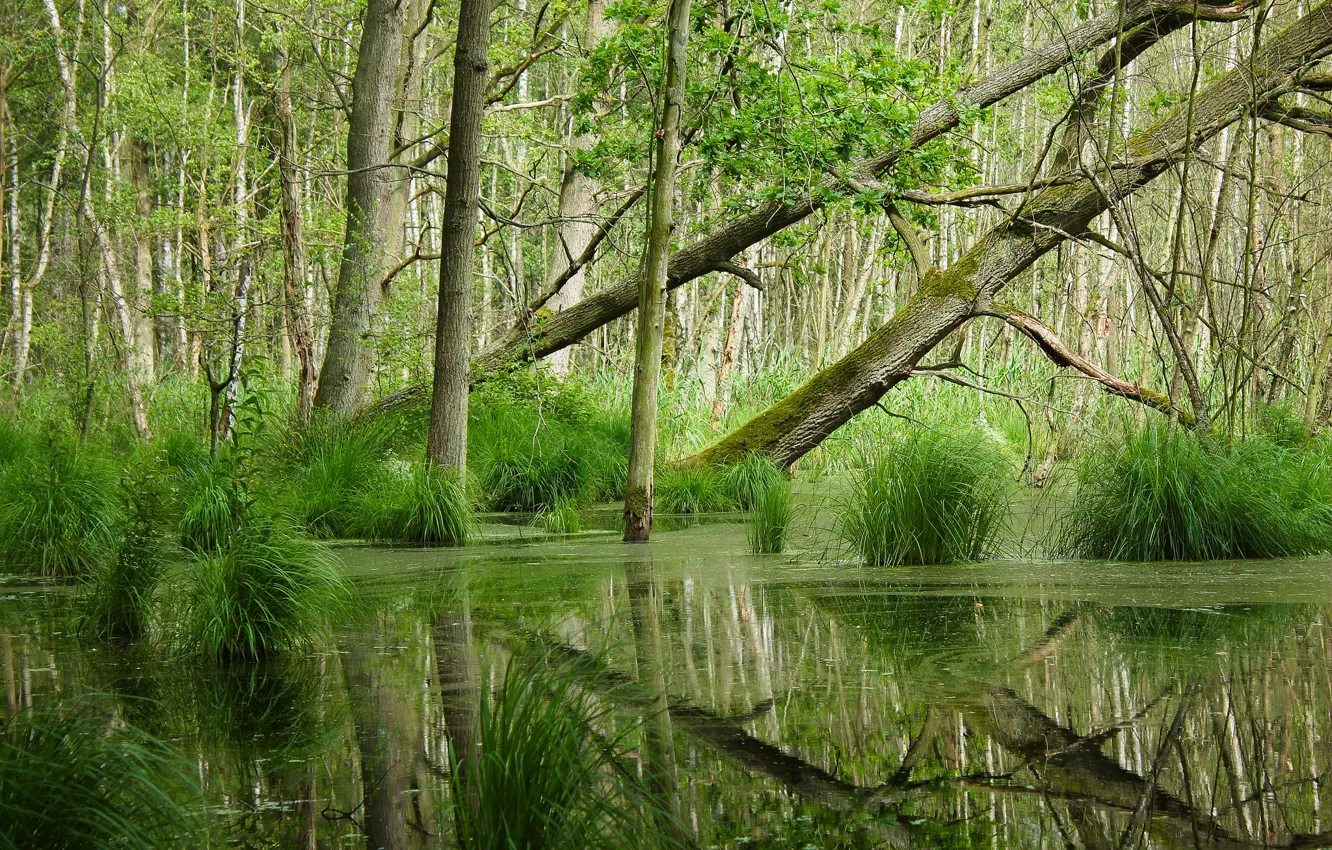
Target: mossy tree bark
<point>346,365</point>
<point>652,292</point>
<point>947,299</point>
<point>446,444</point>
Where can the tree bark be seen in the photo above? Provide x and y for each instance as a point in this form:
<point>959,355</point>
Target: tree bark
<point>446,444</point>
<point>346,365</point>
<point>652,293</point>
<point>293,251</point>
<point>946,300</point>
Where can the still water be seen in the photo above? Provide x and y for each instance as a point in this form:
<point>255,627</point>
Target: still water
<point>812,703</point>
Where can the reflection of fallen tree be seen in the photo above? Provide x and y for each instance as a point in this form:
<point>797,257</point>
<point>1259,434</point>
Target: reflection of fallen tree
<point>1069,768</point>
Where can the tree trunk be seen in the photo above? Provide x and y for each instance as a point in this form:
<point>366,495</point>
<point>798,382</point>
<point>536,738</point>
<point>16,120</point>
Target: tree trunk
<point>446,444</point>
<point>966,289</point>
<point>652,293</point>
<point>577,203</point>
<point>369,134</point>
<point>293,251</point>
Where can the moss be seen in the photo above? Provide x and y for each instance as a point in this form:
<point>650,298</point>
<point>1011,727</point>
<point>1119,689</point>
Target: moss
<point>957,281</point>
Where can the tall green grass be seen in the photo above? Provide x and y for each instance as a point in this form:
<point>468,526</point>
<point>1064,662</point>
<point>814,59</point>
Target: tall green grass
<point>58,510</point>
<point>692,489</point>
<point>552,770</point>
<point>78,781</point>
<point>1161,493</point>
<point>270,589</point>
<point>217,504</point>
<point>928,498</point>
<point>761,485</point>
<point>425,506</point>
<point>332,464</point>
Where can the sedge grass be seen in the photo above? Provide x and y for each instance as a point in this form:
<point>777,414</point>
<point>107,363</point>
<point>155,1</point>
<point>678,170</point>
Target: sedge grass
<point>425,506</point>
<point>269,590</point>
<point>1161,493</point>
<point>692,489</point>
<point>334,464</point>
<point>770,510</point>
<point>58,511</point>
<point>216,507</point>
<point>77,781</point>
<point>551,771</point>
<point>928,498</point>
<point>562,517</point>
<point>119,599</point>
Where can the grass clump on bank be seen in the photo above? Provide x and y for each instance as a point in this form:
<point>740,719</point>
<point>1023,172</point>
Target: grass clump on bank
<point>547,774</point>
<point>119,600</point>
<point>1161,493</point>
<point>692,489</point>
<point>334,463</point>
<point>58,510</point>
<point>217,505</point>
<point>426,506</point>
<point>75,781</point>
<point>270,589</point>
<point>929,498</point>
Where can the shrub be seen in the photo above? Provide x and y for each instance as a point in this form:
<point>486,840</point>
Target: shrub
<point>546,775</point>
<point>1165,494</point>
<point>770,511</point>
<point>73,781</point>
<point>216,507</point>
<point>928,499</point>
<point>427,506</point>
<point>691,490</point>
<point>58,512</point>
<point>267,590</point>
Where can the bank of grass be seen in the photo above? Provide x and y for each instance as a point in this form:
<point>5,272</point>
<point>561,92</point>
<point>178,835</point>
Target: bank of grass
<point>74,779</point>
<point>331,465</point>
<point>762,488</point>
<point>118,602</point>
<point>927,498</point>
<point>553,769</point>
<point>1162,493</point>
<point>268,590</point>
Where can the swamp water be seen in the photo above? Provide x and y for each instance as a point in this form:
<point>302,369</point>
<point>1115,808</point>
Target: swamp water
<point>812,703</point>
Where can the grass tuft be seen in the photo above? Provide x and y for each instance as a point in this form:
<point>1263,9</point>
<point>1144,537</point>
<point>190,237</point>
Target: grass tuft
<point>1165,494</point>
<point>74,781</point>
<point>927,499</point>
<point>119,599</point>
<point>58,511</point>
<point>216,507</point>
<point>562,517</point>
<point>426,506</point>
<point>770,509</point>
<point>269,590</point>
<point>693,489</point>
<point>335,463</point>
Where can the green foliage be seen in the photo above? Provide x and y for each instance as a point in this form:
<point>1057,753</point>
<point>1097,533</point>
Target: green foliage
<point>426,506</point>
<point>78,781</point>
<point>269,589</point>
<point>561,517</point>
<point>119,599</point>
<point>58,510</point>
<point>691,489</point>
<point>552,770</point>
<point>1166,494</point>
<point>770,507</point>
<point>929,498</point>
<point>216,507</point>
<point>747,481</point>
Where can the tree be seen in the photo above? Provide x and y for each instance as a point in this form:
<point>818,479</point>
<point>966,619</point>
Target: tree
<point>346,365</point>
<point>652,285</point>
<point>446,444</point>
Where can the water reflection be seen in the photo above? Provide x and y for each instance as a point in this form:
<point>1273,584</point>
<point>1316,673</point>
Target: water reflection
<point>786,704</point>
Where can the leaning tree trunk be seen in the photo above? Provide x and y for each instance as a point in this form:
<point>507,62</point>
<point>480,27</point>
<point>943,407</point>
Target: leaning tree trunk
<point>652,293</point>
<point>369,134</point>
<point>715,251</point>
<point>446,444</point>
<point>947,299</point>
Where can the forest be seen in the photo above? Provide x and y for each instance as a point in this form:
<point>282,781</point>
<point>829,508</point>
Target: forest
<point>570,424</point>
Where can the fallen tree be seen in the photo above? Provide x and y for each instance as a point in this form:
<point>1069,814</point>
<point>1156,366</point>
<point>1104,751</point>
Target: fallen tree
<point>716,251</point>
<point>971,286</point>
